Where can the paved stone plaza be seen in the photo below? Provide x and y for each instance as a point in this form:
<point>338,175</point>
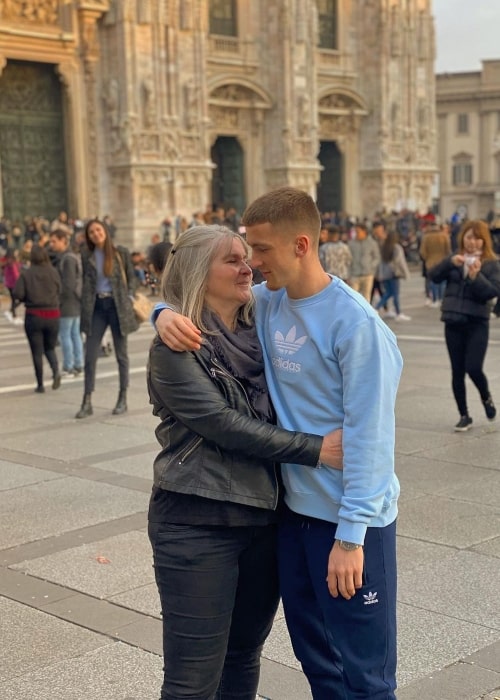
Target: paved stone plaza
<point>79,612</point>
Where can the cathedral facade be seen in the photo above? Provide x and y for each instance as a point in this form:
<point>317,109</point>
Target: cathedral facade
<point>149,108</point>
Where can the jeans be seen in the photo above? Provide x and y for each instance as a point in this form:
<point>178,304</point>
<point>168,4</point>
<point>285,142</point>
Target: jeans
<point>218,589</point>
<point>347,648</point>
<point>42,337</point>
<point>105,315</point>
<point>467,344</point>
<point>391,289</point>
<point>437,290</point>
<point>71,342</point>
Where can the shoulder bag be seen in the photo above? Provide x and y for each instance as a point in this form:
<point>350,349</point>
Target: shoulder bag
<point>140,303</point>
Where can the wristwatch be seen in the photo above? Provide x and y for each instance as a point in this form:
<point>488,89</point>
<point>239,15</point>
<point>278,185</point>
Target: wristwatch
<point>349,546</point>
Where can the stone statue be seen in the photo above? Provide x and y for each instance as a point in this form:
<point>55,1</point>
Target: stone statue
<point>111,99</point>
<point>148,102</point>
<point>190,105</point>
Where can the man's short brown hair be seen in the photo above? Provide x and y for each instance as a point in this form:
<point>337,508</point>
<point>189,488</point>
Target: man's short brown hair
<point>285,207</point>
<point>59,234</point>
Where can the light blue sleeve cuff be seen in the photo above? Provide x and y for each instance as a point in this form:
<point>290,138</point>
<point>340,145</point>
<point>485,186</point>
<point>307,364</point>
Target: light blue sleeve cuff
<point>351,532</point>
<point>158,308</point>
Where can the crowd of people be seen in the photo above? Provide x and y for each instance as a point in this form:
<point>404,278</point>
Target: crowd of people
<point>74,279</point>
<point>273,452</point>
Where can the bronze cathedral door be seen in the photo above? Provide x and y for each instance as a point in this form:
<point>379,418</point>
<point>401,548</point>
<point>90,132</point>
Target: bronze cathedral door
<point>32,160</point>
<point>228,187</point>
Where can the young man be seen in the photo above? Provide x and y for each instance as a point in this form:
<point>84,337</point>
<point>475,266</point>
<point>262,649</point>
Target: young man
<point>69,265</point>
<point>335,256</point>
<point>365,253</point>
<point>330,363</point>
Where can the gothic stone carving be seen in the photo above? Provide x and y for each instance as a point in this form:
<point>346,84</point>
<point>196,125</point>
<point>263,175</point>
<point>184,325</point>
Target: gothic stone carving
<point>371,193</point>
<point>337,102</point>
<point>40,11</point>
<point>169,147</point>
<point>303,116</point>
<point>148,104</point>
<point>111,101</point>
<point>190,105</point>
<point>233,93</point>
<point>332,126</point>
<point>224,118</point>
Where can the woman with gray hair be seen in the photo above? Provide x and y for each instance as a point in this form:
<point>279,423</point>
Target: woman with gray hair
<point>213,507</point>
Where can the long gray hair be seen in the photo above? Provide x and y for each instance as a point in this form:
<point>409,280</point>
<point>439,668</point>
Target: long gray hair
<point>184,280</point>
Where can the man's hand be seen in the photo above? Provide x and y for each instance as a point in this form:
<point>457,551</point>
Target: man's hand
<point>177,332</point>
<point>345,571</point>
<point>331,450</point>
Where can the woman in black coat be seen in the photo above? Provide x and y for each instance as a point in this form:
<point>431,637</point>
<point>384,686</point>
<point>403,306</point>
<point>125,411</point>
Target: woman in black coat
<point>39,287</point>
<point>472,279</point>
<point>108,289</point>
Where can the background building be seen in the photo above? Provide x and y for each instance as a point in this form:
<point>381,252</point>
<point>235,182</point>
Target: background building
<point>149,108</point>
<point>468,108</point>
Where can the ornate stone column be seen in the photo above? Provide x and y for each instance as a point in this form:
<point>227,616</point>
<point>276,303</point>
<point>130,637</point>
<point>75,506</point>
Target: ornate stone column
<point>76,138</point>
<point>88,15</point>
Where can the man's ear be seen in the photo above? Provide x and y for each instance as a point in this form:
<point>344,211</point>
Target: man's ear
<point>302,245</point>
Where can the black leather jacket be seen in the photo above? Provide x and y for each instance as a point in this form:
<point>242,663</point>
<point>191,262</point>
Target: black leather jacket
<point>213,445</point>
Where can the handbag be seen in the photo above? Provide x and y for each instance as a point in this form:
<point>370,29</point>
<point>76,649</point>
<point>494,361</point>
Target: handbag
<point>140,303</point>
<point>142,307</point>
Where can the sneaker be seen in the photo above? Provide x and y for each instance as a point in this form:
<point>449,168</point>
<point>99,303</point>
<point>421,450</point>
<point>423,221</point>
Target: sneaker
<point>56,382</point>
<point>8,315</point>
<point>428,302</point>
<point>18,321</point>
<point>77,371</point>
<point>389,314</point>
<point>463,424</point>
<point>67,373</point>
<point>435,305</point>
<point>40,389</point>
<point>489,409</point>
<point>403,317</point>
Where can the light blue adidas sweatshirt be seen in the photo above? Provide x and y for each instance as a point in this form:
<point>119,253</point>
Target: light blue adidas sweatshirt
<point>332,363</point>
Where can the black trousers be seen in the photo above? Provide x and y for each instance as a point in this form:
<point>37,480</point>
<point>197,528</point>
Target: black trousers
<point>218,588</point>
<point>14,303</point>
<point>467,344</point>
<point>42,336</point>
<point>105,315</point>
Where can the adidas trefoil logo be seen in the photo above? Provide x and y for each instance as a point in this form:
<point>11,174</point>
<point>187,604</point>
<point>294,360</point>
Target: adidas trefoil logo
<point>370,598</point>
<point>289,344</point>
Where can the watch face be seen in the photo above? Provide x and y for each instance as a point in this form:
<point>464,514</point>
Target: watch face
<point>349,546</point>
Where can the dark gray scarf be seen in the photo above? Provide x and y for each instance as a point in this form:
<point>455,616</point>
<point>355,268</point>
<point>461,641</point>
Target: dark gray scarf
<point>240,353</point>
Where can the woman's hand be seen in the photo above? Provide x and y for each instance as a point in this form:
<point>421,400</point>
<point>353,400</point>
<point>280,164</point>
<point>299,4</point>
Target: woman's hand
<point>332,453</point>
<point>474,268</point>
<point>458,260</point>
<point>177,332</point>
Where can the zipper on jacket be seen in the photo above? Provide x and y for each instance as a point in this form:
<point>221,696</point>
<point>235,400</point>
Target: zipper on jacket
<point>189,451</point>
<point>223,371</point>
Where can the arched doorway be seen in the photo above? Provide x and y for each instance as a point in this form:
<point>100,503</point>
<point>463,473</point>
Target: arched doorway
<point>32,159</point>
<point>228,186</point>
<point>329,191</point>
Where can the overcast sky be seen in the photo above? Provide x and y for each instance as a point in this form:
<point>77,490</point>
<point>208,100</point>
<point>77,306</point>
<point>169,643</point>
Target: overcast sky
<point>467,31</point>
